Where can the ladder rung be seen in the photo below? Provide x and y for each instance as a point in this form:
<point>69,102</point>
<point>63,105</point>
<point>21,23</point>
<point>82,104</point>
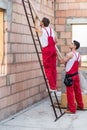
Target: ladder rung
<point>36,39</point>
<point>25,1</point>
<point>32,27</point>
<point>28,14</point>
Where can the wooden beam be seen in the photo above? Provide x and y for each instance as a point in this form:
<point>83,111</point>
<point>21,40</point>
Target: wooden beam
<point>35,11</point>
<point>1,36</point>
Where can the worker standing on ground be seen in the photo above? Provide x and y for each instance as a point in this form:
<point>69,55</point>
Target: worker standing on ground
<point>47,39</point>
<point>72,61</point>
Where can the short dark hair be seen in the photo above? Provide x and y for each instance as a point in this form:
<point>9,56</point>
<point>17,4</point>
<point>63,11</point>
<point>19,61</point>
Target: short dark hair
<point>46,21</point>
<point>76,43</point>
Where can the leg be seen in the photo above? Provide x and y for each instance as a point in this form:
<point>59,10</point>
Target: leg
<point>54,72</point>
<point>70,99</point>
<point>47,62</point>
<point>78,94</point>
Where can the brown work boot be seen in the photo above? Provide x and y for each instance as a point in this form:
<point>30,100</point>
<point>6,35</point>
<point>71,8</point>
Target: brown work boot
<point>69,112</point>
<point>78,108</point>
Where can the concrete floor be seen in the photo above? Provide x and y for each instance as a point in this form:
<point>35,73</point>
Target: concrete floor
<point>40,116</point>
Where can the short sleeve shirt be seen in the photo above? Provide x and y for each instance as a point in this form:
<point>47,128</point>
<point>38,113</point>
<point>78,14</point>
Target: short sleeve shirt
<point>44,36</point>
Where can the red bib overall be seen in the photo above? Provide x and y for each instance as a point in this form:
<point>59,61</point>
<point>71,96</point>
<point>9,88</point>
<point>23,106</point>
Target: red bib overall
<point>49,61</point>
<point>74,92</point>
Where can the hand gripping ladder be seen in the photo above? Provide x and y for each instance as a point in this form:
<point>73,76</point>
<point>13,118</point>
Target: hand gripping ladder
<point>30,12</point>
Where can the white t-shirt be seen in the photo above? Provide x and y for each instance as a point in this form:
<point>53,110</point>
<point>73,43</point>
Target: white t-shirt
<point>44,36</point>
<point>70,63</point>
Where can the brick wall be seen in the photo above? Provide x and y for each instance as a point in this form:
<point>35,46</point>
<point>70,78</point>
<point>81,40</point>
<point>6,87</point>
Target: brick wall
<point>23,83</point>
<point>67,13</point>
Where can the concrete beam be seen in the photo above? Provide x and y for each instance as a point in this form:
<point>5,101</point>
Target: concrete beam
<point>3,4</point>
<point>76,21</point>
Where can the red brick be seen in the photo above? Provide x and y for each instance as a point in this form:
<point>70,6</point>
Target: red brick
<point>23,48</point>
<point>60,14</point>
<point>3,102</point>
<point>17,1</point>
<point>64,49</point>
<point>4,91</point>
<point>43,87</point>
<point>69,6</point>
<point>27,84</point>
<point>65,1</point>
<point>9,58</point>
<point>25,76</point>
<point>76,13</point>
<point>2,81</point>
<point>23,67</point>
<point>18,8</point>
<point>60,42</point>
<point>34,91</point>
<point>65,35</point>
<point>81,0</point>
<point>21,29</point>
<point>72,13</point>
<point>22,58</point>
<point>68,41</point>
<point>62,20</point>
<point>60,28</point>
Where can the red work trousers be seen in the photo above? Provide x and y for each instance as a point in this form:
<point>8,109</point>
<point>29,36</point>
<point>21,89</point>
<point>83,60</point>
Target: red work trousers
<point>74,93</point>
<point>49,63</point>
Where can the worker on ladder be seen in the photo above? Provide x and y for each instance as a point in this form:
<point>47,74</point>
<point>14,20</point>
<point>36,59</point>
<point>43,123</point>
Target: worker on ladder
<point>47,39</point>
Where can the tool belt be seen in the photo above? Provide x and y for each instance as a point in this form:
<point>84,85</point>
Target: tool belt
<point>68,80</point>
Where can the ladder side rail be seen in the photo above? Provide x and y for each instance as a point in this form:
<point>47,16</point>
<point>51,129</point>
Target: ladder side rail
<point>58,103</point>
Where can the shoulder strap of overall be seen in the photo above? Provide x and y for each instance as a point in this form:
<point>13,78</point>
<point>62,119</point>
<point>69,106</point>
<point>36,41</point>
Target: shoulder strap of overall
<point>50,32</point>
<point>77,57</point>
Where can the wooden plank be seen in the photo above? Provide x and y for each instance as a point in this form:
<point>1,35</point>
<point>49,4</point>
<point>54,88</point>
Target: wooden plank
<point>64,100</point>
<point>1,36</point>
<point>34,9</point>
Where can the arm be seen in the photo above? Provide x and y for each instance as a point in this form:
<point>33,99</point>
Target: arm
<point>67,58</point>
<point>38,29</point>
<point>58,53</point>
